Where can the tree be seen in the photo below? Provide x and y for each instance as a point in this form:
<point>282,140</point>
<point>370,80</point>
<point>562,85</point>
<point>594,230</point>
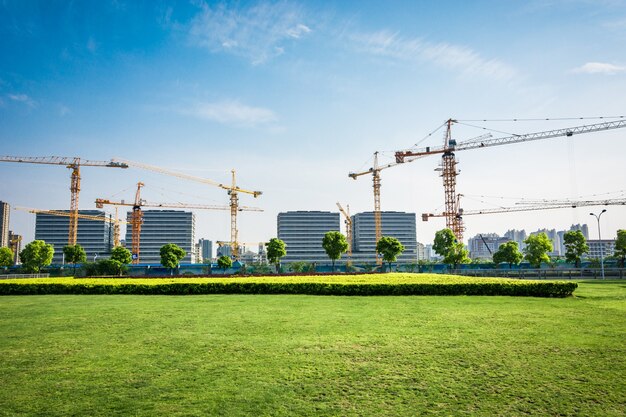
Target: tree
<point>36,255</point>
<point>620,246</point>
<point>6,257</point>
<point>575,246</point>
<point>389,247</point>
<point>275,250</point>
<point>123,256</point>
<point>334,243</point>
<point>453,251</point>
<point>508,252</point>
<point>171,254</point>
<point>74,254</point>
<point>537,248</point>
<point>224,262</point>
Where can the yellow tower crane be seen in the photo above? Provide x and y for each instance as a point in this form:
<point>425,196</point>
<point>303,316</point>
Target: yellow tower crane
<point>233,191</point>
<point>449,172</point>
<point>348,222</point>
<point>74,164</point>
<point>136,218</point>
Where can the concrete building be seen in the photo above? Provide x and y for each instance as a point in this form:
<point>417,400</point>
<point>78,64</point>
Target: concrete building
<point>95,237</point>
<point>4,224</point>
<point>485,247</point>
<point>395,224</point>
<point>205,250</point>
<point>161,227</point>
<point>421,252</point>
<point>303,231</point>
<point>518,236</point>
<point>606,247</point>
<point>15,243</point>
<point>224,250</point>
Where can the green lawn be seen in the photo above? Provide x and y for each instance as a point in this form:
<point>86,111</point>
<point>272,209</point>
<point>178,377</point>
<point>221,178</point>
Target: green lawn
<point>311,355</point>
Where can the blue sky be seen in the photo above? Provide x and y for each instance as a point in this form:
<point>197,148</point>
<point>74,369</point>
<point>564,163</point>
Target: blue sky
<point>294,95</point>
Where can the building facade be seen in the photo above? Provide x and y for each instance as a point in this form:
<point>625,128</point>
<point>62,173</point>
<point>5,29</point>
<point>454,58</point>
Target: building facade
<point>94,236</point>
<point>600,248</point>
<point>4,224</point>
<point>303,231</point>
<point>396,224</point>
<point>160,227</point>
<point>15,244</point>
<point>483,246</point>
<point>205,250</point>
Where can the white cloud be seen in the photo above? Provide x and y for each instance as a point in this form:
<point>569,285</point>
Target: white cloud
<point>232,112</point>
<point>445,55</point>
<point>255,33</point>
<point>23,98</point>
<point>599,68</point>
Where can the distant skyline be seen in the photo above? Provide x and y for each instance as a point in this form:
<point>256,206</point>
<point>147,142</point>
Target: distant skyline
<point>294,95</point>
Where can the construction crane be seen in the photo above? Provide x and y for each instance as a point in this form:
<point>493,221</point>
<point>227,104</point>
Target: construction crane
<point>348,222</point>
<point>136,218</point>
<point>233,191</point>
<point>114,221</point>
<point>375,171</point>
<point>448,163</point>
<point>73,163</point>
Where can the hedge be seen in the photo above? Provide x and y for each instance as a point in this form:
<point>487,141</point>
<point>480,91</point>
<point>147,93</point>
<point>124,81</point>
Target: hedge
<point>394,284</point>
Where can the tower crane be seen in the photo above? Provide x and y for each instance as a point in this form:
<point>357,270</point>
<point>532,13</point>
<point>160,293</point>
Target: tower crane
<point>375,171</point>
<point>348,222</point>
<point>449,172</point>
<point>233,191</point>
<point>73,163</point>
<point>136,218</point>
<point>114,221</point>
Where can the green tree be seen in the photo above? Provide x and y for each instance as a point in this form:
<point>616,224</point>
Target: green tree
<point>36,255</point>
<point>171,254</point>
<point>537,248</point>
<point>6,257</point>
<point>334,243</point>
<point>224,262</point>
<point>575,246</point>
<point>74,254</point>
<point>276,249</point>
<point>508,252</point>
<point>620,246</point>
<point>123,256</point>
<point>389,247</point>
<point>453,251</point>
<point>109,267</point>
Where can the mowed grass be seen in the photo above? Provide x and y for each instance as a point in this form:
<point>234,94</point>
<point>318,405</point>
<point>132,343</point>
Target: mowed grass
<point>309,355</point>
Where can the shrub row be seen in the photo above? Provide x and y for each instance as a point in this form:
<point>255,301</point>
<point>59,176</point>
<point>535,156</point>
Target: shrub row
<point>509,288</point>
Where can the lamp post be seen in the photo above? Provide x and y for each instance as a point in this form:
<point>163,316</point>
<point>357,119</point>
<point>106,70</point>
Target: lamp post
<point>597,216</point>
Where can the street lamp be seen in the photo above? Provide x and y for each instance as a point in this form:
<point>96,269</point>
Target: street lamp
<point>597,216</point>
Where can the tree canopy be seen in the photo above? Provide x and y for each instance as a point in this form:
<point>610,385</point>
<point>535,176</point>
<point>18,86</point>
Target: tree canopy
<point>171,255</point>
<point>537,248</point>
<point>453,251</point>
<point>121,255</point>
<point>6,257</point>
<point>224,262</point>
<point>74,254</point>
<point>36,255</point>
<point>335,244</point>
<point>575,246</point>
<point>620,246</point>
<point>276,249</point>
<point>508,252</point>
<point>389,247</point>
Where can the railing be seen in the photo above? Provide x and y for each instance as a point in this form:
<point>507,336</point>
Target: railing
<point>580,273</point>
<point>14,276</point>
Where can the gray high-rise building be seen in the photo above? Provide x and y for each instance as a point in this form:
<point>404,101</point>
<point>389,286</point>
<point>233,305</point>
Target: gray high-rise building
<point>4,224</point>
<point>160,227</point>
<point>206,250</point>
<point>518,236</point>
<point>483,246</point>
<point>303,231</point>
<point>395,224</point>
<point>94,236</point>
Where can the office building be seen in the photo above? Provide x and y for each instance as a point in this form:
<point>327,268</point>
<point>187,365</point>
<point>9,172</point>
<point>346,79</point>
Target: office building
<point>160,227</point>
<point>604,247</point>
<point>303,231</point>
<point>205,250</point>
<point>396,224</point>
<point>15,244</point>
<point>94,236</point>
<point>483,246</point>
<point>421,252</point>
<point>4,224</point>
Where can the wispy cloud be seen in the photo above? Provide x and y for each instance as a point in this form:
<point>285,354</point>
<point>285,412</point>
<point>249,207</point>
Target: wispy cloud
<point>63,110</point>
<point>257,33</point>
<point>599,68</point>
<point>232,113</point>
<point>23,98</point>
<point>445,55</point>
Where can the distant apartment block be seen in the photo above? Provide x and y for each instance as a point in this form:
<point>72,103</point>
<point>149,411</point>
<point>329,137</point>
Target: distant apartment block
<point>205,250</point>
<point>483,246</point>
<point>4,224</point>
<point>604,247</point>
<point>396,224</point>
<point>95,237</point>
<point>161,227</point>
<point>303,231</point>
<point>15,244</point>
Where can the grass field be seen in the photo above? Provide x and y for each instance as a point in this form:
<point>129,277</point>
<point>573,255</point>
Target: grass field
<point>309,355</point>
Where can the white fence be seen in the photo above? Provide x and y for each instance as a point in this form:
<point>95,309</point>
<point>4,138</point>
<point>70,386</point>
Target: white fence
<point>13,276</point>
